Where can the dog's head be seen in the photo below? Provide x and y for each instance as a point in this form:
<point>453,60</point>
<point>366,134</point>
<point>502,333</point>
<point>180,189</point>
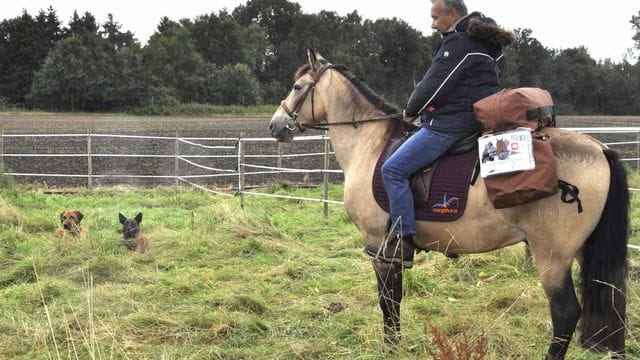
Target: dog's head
<point>130,226</point>
<point>70,220</point>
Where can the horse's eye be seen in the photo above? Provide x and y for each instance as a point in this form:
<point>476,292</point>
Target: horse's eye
<point>297,87</point>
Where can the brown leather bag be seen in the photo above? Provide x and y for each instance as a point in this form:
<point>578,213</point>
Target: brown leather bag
<point>512,108</point>
<point>506,190</point>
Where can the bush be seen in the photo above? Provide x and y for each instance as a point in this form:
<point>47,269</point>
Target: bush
<point>232,85</point>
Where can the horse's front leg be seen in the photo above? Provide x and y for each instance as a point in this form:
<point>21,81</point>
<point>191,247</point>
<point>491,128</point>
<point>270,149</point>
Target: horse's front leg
<point>389,276</point>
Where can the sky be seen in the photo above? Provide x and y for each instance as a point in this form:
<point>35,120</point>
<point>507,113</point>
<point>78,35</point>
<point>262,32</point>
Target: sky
<point>603,28</point>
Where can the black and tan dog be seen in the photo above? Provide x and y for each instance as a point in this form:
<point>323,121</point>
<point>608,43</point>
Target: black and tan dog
<point>133,237</point>
<point>70,220</point>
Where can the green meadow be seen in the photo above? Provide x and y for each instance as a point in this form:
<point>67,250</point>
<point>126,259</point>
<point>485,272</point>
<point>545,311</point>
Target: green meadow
<point>275,280</point>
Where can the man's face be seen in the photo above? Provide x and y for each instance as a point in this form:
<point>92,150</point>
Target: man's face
<point>441,19</point>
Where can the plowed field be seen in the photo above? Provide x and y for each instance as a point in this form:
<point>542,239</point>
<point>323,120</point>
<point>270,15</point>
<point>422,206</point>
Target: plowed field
<point>112,159</point>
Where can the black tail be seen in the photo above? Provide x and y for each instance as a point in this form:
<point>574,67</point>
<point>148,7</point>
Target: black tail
<point>604,268</point>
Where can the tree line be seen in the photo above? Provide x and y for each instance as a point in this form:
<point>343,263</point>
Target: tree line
<point>248,56</point>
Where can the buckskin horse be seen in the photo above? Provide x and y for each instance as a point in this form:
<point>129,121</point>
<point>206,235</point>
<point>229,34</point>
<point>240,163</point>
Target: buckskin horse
<point>360,123</point>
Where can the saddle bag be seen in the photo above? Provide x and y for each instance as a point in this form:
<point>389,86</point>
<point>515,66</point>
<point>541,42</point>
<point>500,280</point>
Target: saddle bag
<point>509,109</point>
<point>507,190</point>
<point>512,108</point>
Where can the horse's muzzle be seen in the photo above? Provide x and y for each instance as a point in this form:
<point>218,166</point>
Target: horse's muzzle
<point>282,129</point>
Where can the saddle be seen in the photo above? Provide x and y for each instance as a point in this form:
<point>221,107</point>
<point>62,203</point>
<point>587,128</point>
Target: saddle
<point>439,189</point>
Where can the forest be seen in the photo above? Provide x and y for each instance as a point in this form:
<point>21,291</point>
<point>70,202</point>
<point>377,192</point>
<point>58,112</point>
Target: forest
<point>248,56</point>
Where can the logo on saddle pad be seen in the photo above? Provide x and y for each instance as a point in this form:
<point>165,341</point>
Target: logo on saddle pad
<point>447,206</point>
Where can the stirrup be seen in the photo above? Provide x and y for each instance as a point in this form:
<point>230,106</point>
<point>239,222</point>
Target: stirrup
<point>394,250</point>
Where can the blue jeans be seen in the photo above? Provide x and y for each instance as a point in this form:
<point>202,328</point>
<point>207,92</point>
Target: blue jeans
<point>418,151</point>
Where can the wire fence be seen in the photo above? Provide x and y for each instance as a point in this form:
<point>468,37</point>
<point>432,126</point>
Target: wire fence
<point>205,162</point>
<point>190,159</point>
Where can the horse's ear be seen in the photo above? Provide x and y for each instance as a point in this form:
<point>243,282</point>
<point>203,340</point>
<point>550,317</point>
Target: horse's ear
<point>311,56</point>
<point>315,59</point>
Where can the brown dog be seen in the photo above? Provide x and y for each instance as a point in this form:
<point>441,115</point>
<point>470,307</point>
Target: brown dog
<point>70,220</point>
<point>133,237</point>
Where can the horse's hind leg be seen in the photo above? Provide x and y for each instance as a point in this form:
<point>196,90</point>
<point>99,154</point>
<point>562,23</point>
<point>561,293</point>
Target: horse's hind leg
<point>564,307</point>
<point>389,277</point>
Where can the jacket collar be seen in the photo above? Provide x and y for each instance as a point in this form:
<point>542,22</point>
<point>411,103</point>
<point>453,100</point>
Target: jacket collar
<point>463,23</point>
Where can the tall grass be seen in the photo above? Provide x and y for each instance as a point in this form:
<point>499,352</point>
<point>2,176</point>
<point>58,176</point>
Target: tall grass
<point>273,281</point>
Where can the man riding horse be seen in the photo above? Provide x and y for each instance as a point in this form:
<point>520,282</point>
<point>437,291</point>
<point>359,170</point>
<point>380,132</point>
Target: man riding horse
<point>465,68</point>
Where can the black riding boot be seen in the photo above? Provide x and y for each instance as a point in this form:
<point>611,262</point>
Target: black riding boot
<point>398,249</point>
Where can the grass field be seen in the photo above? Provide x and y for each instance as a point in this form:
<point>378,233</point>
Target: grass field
<point>273,281</point>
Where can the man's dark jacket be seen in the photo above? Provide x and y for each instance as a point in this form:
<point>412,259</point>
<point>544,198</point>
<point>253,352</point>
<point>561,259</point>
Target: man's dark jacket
<point>466,67</point>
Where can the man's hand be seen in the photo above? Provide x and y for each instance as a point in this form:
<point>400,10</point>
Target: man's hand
<point>407,119</point>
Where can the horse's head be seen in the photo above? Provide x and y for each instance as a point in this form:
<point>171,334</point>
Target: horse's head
<point>301,108</point>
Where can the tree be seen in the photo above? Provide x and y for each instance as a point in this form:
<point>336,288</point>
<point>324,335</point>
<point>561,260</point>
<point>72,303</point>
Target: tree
<point>82,25</point>
<point>174,64</point>
<point>276,17</point>
<point>222,40</point>
<point>575,87</point>
<point>617,88</point>
<point>509,78</point>
<point>280,20</point>
<point>532,59</point>
<point>24,43</point>
<point>69,76</point>
<point>401,56</point>
<point>231,85</point>
<point>117,38</point>
<point>85,72</point>
<point>635,23</point>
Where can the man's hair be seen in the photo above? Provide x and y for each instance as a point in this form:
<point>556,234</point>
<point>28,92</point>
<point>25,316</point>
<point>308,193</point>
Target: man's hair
<point>459,5</point>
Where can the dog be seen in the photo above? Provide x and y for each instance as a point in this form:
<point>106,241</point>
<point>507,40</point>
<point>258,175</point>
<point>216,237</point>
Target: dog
<point>70,220</point>
<point>133,237</point>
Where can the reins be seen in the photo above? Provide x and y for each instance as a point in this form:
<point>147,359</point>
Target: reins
<point>294,112</point>
<point>354,122</point>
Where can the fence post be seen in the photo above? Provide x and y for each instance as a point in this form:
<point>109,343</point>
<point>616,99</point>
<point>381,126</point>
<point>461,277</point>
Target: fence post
<point>637,151</point>
<point>176,168</point>
<point>325,194</point>
<point>241,170</point>
<point>89,163</point>
<point>279,161</point>
<point>2,149</point>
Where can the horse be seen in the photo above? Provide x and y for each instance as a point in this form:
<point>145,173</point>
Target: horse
<point>360,123</point>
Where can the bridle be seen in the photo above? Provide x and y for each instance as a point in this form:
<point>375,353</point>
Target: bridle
<point>294,111</point>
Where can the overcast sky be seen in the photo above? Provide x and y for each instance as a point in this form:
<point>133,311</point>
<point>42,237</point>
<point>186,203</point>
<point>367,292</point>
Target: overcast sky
<point>602,27</point>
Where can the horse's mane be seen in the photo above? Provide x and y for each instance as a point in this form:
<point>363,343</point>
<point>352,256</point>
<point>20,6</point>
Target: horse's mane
<point>378,101</point>
<point>361,87</point>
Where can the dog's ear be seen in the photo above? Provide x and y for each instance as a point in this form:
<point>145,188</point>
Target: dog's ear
<point>62,216</point>
<point>79,215</point>
<point>122,218</point>
<point>138,218</point>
